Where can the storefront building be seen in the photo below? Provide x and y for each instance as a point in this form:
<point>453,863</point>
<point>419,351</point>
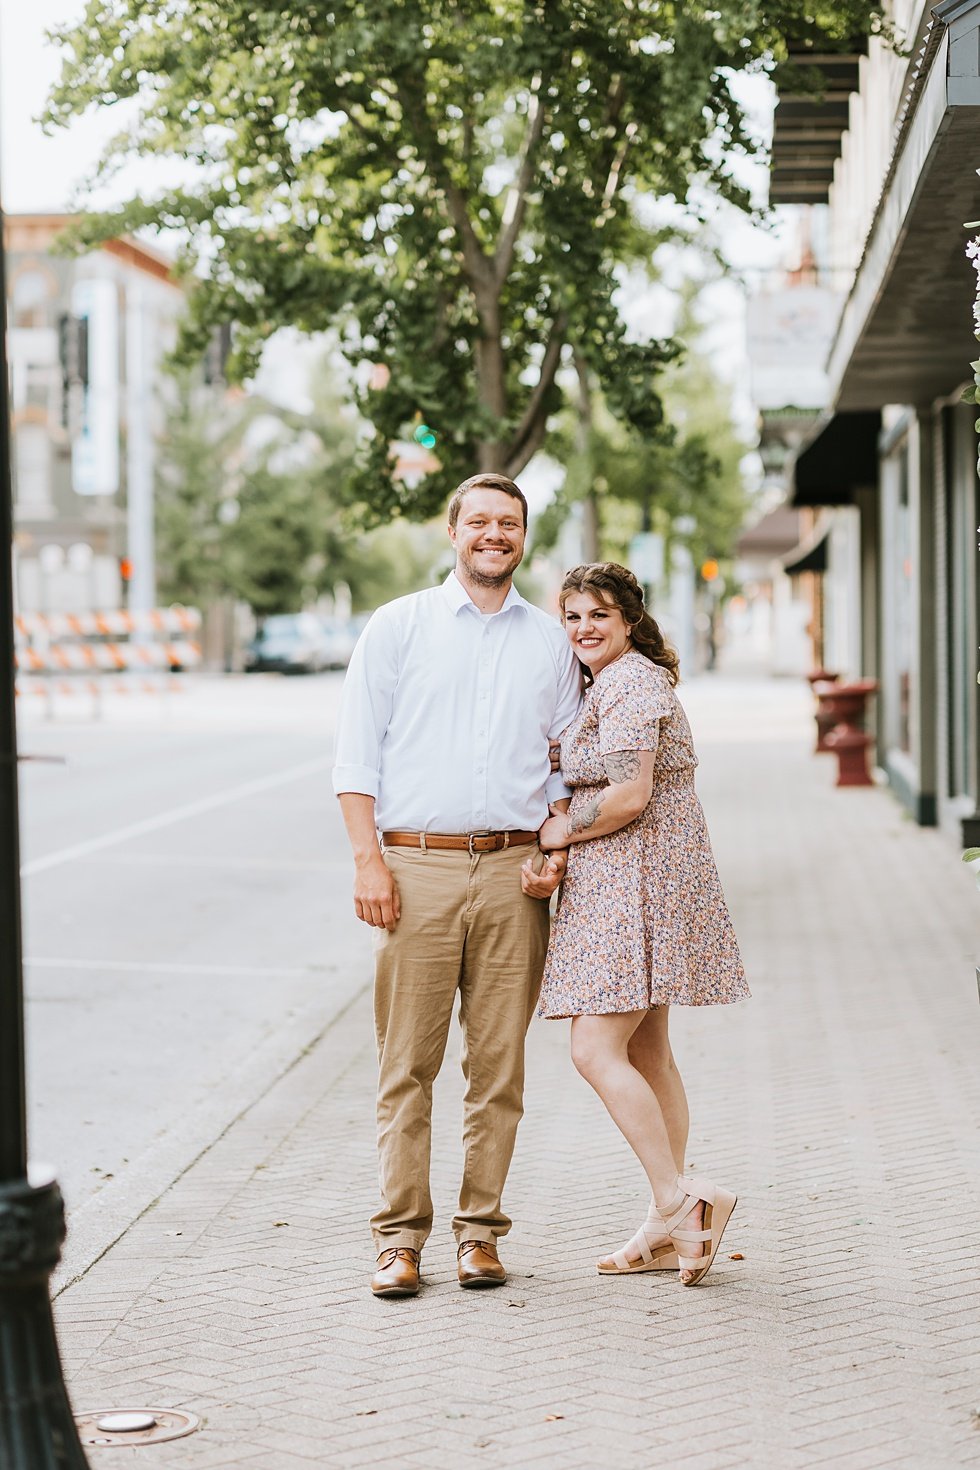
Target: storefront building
<point>890,149</point>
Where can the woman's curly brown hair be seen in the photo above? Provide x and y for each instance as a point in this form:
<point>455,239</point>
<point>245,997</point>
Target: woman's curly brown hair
<point>617,586</point>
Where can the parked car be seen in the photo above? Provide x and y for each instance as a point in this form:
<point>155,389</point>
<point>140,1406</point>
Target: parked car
<point>291,643</point>
<point>340,638</point>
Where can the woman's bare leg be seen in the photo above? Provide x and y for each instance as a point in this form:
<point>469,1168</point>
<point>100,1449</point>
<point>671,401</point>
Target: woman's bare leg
<point>627,1060</point>
<point>651,1055</point>
<point>600,1051</point>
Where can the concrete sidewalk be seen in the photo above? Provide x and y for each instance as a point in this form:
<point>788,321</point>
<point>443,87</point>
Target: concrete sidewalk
<point>841,1103</point>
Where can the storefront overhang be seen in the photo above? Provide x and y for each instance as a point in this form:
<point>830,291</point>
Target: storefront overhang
<point>773,537</point>
<point>809,556</point>
<point>906,334</point>
<point>810,119</point>
<point>839,457</point>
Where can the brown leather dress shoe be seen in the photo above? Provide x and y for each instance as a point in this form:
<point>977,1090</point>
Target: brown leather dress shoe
<point>478,1264</point>
<point>397,1273</point>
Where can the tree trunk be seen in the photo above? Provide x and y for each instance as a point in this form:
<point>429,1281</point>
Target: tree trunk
<point>591,525</point>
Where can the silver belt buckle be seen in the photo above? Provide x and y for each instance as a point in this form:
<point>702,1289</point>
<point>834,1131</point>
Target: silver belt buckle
<point>471,839</point>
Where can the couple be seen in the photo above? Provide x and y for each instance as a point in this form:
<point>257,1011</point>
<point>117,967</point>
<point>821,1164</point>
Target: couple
<point>449,704</point>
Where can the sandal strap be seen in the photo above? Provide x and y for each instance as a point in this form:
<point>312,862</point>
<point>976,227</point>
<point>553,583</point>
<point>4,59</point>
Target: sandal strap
<point>652,1229</point>
<point>678,1212</point>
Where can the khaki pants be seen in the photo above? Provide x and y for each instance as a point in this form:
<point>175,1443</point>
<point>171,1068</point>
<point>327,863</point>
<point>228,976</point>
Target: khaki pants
<point>465,926</point>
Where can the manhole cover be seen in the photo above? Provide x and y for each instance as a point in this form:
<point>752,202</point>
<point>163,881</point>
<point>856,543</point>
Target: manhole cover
<point>134,1426</point>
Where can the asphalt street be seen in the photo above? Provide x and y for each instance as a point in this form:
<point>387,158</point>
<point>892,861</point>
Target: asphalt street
<point>184,872</point>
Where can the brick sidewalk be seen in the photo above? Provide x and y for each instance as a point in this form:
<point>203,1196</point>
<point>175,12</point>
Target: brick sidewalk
<point>842,1104</point>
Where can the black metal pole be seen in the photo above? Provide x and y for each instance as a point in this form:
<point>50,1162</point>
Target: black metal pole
<point>37,1431</point>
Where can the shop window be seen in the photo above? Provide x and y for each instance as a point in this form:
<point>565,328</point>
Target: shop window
<point>904,604</point>
<point>29,292</point>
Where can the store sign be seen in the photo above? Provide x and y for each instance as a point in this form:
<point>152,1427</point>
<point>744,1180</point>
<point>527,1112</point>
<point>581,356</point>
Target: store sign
<point>790,333</point>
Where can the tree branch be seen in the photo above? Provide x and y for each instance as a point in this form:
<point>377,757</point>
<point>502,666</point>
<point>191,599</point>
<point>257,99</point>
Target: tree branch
<point>515,206</point>
<point>614,155</point>
<point>616,168</point>
<point>517,458</point>
<point>534,416</point>
<point>478,264</point>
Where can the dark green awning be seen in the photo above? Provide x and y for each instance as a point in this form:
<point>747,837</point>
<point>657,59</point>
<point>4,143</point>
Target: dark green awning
<point>838,457</point>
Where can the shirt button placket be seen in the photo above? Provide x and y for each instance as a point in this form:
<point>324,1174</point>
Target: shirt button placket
<point>481,751</point>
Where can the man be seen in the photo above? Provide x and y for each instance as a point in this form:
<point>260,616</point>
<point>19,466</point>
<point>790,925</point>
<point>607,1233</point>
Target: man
<point>450,700</point>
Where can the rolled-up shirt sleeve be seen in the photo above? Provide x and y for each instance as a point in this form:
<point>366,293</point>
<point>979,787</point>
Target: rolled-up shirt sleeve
<point>365,709</point>
<point>567,702</point>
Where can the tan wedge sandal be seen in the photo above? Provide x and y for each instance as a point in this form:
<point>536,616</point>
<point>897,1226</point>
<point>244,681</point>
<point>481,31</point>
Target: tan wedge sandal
<point>653,1257</point>
<point>718,1206</point>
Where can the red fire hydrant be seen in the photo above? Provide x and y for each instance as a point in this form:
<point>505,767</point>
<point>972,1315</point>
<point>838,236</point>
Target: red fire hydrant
<point>844,704</point>
<point>825,724</point>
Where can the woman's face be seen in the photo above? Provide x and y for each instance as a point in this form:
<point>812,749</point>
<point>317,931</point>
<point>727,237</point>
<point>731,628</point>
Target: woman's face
<point>596,629</point>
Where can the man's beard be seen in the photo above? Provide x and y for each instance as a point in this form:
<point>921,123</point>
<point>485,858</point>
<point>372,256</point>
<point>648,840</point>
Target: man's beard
<point>490,579</point>
<point>484,579</point>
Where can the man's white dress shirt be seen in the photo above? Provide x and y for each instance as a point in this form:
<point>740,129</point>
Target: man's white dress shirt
<point>447,713</point>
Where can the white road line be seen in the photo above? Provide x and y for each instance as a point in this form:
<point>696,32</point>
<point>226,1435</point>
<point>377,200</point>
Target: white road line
<point>176,814</point>
<point>156,968</point>
<point>262,865</point>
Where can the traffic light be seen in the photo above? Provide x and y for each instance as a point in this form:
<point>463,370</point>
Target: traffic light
<point>425,436</point>
<point>709,570</point>
<point>125,569</point>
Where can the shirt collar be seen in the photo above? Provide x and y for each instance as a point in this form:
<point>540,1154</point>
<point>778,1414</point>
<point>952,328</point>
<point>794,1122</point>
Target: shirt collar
<point>457,596</point>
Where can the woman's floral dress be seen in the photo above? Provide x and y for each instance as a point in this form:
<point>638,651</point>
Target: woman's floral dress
<point>642,920</point>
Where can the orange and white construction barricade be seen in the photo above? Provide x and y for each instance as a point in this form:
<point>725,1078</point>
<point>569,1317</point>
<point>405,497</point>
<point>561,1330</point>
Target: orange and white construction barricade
<point>97,653</point>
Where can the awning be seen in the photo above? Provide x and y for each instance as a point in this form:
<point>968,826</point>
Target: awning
<point>906,331</point>
<point>774,536</point>
<point>809,556</point>
<point>808,124</point>
<point>838,457</point>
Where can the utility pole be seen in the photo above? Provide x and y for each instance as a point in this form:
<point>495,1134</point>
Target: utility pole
<point>37,1431</point>
<point>140,548</point>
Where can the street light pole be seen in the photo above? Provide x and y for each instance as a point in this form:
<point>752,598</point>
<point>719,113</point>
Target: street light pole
<point>37,1431</point>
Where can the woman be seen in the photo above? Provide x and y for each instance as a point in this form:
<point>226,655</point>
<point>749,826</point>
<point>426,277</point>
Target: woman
<point>642,922</point>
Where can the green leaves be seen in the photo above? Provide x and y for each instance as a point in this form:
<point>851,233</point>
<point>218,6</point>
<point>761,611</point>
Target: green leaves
<point>446,187</point>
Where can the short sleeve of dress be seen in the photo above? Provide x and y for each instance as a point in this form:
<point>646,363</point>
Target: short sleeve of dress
<point>630,705</point>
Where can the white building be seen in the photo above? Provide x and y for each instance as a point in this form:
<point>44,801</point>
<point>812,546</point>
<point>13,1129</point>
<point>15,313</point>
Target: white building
<point>86,338</point>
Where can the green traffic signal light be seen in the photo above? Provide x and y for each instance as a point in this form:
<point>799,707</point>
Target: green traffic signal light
<point>423,435</point>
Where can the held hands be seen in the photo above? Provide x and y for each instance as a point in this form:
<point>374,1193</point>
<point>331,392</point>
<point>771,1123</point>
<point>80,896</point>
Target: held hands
<point>376,899</point>
<point>543,884</point>
<point>554,755</point>
<point>554,834</point>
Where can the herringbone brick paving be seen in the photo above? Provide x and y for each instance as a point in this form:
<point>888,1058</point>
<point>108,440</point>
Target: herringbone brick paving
<point>841,1103</point>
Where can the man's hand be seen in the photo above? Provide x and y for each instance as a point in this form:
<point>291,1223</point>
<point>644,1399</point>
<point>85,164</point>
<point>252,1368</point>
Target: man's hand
<point>543,884</point>
<point>554,755</point>
<point>376,899</point>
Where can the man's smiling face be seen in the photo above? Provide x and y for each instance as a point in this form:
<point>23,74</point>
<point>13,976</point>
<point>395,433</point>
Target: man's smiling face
<point>488,537</point>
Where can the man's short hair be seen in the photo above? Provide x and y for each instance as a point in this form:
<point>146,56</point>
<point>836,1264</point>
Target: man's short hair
<point>485,482</point>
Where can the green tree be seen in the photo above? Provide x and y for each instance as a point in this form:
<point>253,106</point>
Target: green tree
<point>272,558</point>
<point>268,524</point>
<point>451,185</point>
<point>195,476</point>
<point>688,473</point>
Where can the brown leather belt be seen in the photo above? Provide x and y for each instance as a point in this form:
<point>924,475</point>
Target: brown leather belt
<point>471,842</point>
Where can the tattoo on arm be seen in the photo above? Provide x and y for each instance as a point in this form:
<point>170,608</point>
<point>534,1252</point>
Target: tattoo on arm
<point>587,817</point>
<point>622,765</point>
